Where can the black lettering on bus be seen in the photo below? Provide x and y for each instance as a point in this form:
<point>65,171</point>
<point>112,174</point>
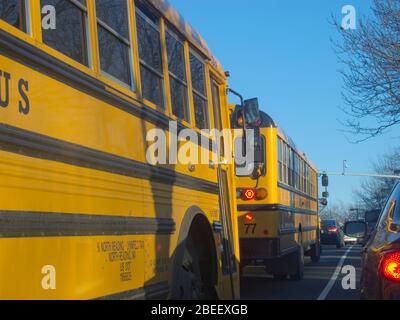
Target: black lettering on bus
<point>5,99</point>
<point>23,87</point>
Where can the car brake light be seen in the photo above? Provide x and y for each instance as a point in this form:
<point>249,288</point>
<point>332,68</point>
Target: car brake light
<point>332,229</point>
<point>249,217</point>
<point>390,266</point>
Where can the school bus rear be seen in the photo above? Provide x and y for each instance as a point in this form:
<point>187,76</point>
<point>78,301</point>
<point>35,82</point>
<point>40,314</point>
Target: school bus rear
<point>278,218</point>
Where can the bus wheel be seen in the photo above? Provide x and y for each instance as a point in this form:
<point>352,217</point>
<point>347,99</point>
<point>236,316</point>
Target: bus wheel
<point>298,259</point>
<point>190,284</point>
<point>280,277</point>
<point>193,271</point>
<point>315,252</point>
<point>242,266</point>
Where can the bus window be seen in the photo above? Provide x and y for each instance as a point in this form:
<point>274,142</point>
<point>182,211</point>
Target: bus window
<point>199,93</point>
<point>264,155</point>
<point>285,163</point>
<point>305,178</point>
<point>14,13</point>
<point>216,103</point>
<point>114,39</point>
<point>70,35</point>
<point>280,165</point>
<point>291,182</point>
<point>151,69</point>
<point>177,76</point>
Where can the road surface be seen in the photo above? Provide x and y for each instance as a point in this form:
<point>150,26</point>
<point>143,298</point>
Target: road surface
<point>322,281</point>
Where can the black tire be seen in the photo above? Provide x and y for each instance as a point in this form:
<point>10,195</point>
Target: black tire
<point>315,259</point>
<point>316,252</point>
<point>299,262</point>
<point>280,277</point>
<point>242,266</point>
<point>189,284</point>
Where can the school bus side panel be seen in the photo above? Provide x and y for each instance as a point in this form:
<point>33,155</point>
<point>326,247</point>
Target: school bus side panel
<point>91,168</point>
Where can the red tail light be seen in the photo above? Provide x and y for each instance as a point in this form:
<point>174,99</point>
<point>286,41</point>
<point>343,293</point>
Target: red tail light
<point>249,217</point>
<point>249,194</point>
<point>390,266</point>
<point>332,229</point>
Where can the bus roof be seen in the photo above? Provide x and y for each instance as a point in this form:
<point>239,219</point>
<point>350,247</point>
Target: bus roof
<point>184,27</point>
<point>268,122</point>
<point>292,144</point>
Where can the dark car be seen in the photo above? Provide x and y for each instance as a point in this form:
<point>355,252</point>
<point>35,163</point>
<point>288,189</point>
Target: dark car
<point>380,277</point>
<point>331,233</point>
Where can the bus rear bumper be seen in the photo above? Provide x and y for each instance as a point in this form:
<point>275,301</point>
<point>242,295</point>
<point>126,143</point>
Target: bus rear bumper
<point>267,252</point>
<point>259,248</point>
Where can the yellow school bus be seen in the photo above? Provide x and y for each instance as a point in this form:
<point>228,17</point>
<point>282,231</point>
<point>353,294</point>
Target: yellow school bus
<point>278,212</point>
<point>84,214</point>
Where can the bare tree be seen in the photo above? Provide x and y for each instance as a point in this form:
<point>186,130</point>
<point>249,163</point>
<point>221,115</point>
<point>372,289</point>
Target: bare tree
<point>374,191</point>
<point>340,212</point>
<point>371,56</point>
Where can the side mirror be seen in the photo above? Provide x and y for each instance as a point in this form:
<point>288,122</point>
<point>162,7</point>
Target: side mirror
<point>253,122</point>
<point>355,229</point>
<point>248,118</point>
<point>259,154</point>
<point>252,113</point>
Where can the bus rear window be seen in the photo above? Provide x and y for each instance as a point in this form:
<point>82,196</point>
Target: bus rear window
<point>14,13</point>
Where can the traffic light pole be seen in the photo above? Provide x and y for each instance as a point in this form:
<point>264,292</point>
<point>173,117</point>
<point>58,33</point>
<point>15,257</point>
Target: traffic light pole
<point>325,180</point>
<point>371,175</point>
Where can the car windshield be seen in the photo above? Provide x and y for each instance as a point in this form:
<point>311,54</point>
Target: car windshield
<point>328,223</point>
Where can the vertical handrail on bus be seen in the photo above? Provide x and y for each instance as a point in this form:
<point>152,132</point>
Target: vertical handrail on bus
<point>225,224</point>
<point>224,206</point>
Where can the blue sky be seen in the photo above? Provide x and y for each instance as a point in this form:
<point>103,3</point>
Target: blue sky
<point>281,52</point>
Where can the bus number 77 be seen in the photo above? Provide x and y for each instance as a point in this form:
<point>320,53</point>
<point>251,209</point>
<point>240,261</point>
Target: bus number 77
<point>250,228</point>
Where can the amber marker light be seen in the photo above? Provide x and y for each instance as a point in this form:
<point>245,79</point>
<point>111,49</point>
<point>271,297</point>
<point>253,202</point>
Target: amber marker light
<point>262,194</point>
<point>249,217</point>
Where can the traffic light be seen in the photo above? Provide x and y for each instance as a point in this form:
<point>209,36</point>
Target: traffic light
<point>324,202</point>
<point>325,180</point>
